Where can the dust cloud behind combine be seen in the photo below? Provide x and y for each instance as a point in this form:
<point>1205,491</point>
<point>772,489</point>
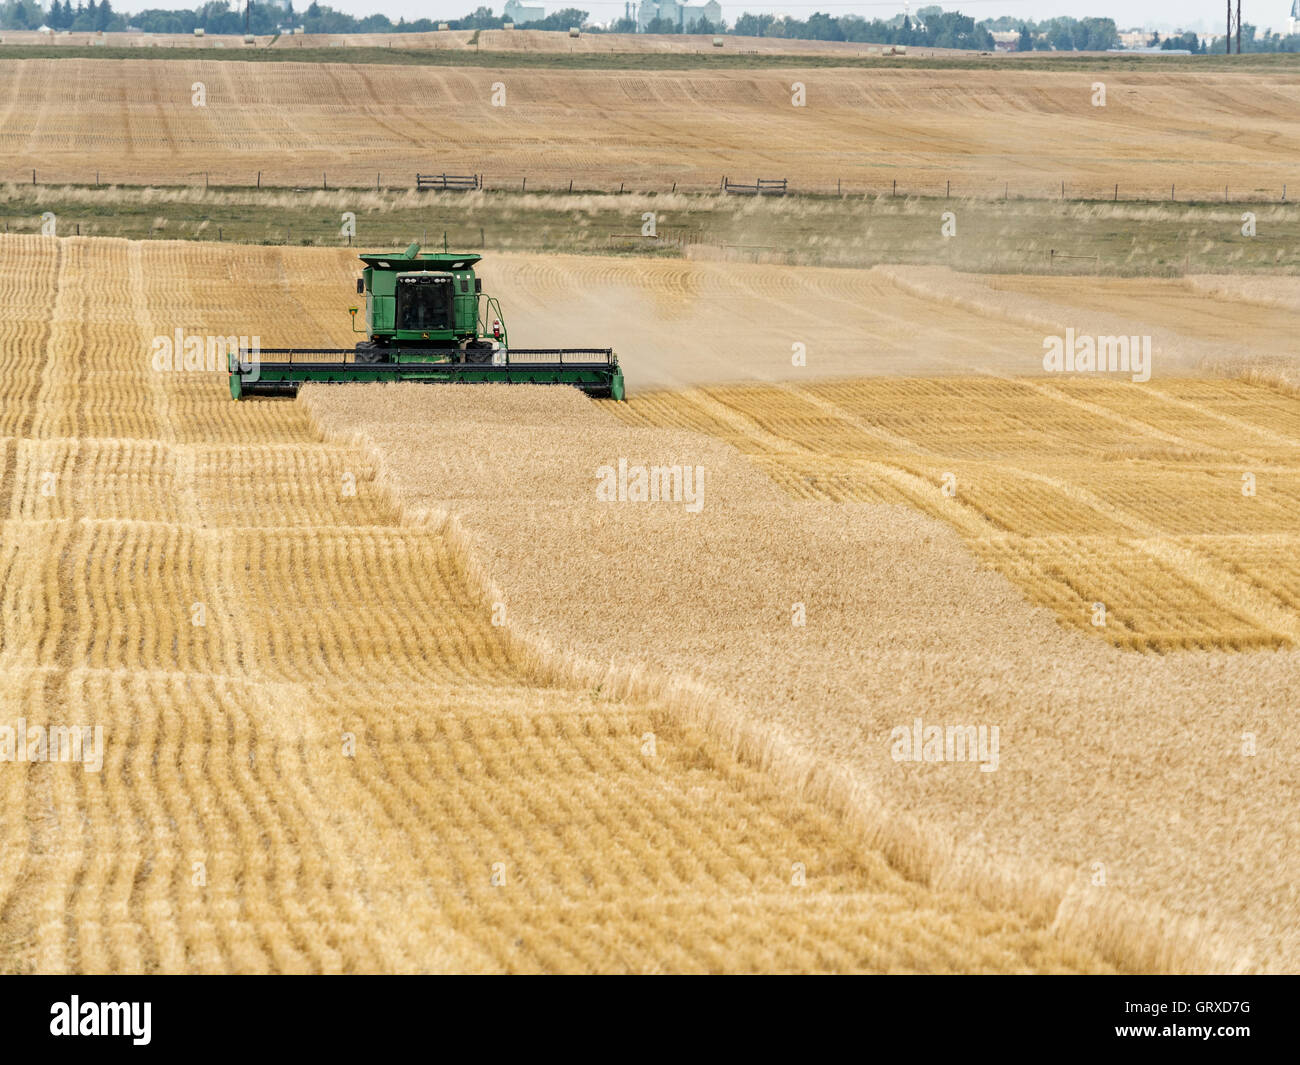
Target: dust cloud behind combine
<point>677,323</point>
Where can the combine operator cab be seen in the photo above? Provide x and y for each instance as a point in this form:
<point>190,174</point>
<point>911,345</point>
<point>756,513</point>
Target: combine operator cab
<point>426,304</point>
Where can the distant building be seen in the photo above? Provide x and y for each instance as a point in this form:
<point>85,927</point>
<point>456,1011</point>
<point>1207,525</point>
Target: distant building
<point>1293,23</point>
<point>521,13</point>
<point>683,16</point>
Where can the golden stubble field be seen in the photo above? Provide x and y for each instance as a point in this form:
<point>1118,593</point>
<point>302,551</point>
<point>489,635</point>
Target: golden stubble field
<point>319,753</point>
<point>135,122</point>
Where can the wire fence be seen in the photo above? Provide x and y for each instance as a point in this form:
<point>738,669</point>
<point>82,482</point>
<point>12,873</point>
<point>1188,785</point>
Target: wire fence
<point>961,187</point>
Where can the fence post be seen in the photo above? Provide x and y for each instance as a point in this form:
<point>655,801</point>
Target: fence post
<point>1116,200</point>
<point>895,186</point>
<point>324,184</point>
<point>96,178</point>
<point>376,182</point>
<point>1171,193</point>
<point>837,186</point>
<point>947,192</point>
<point>1283,190</point>
<point>620,188</point>
<point>33,177</point>
<point>259,179</point>
<point>1062,190</point>
<point>524,186</point>
<point>205,181</point>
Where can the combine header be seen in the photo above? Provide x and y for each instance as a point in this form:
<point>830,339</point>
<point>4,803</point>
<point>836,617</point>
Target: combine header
<point>427,319</point>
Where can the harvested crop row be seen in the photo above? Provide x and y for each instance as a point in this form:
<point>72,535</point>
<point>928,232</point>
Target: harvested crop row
<point>26,287</point>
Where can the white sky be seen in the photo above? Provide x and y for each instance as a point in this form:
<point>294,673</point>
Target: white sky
<point>1204,15</point>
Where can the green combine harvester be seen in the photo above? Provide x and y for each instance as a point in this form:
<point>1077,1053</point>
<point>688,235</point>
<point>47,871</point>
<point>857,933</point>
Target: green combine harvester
<point>427,319</point>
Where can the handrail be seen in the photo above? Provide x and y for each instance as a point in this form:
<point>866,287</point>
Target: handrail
<point>490,307</point>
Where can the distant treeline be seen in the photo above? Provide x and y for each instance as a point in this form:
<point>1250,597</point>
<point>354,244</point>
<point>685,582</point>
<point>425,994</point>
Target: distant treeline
<point>929,27</point>
<point>1251,41</point>
<point>1058,34</point>
<point>221,16</point>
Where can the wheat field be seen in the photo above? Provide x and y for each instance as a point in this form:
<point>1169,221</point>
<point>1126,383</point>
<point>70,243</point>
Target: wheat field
<point>320,754</point>
<point>1143,801</point>
<point>141,122</point>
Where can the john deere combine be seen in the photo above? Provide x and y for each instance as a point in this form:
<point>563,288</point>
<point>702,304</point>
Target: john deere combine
<point>427,319</point>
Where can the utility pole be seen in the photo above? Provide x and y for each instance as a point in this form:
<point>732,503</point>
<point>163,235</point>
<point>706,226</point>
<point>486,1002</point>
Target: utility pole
<point>248,6</point>
<point>1239,27</point>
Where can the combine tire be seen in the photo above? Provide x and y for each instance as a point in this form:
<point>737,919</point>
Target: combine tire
<point>369,352</point>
